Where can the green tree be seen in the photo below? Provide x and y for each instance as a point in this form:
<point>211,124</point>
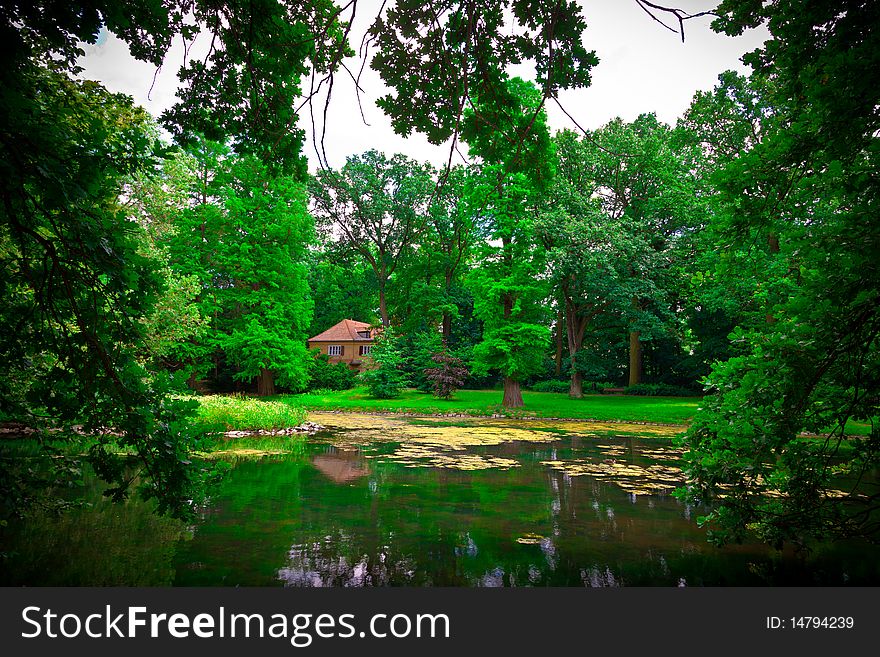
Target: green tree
<point>438,56</point>
<point>385,376</point>
<point>590,254</point>
<point>428,283</point>
<point>76,289</point>
<point>645,183</point>
<point>343,288</point>
<point>77,283</point>
<point>374,207</point>
<point>507,285</point>
<point>247,245</point>
<point>156,200</point>
<point>807,189</point>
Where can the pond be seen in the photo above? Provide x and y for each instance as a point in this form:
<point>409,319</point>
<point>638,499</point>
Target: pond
<point>380,500</point>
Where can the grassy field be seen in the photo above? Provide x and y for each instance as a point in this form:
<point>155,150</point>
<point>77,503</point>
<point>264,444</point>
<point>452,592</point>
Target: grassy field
<point>623,408</point>
<point>669,410</point>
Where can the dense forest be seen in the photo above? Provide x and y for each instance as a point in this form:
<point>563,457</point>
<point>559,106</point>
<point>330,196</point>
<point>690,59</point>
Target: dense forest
<point>733,254</point>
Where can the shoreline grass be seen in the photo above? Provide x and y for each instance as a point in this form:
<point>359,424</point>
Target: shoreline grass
<point>240,413</point>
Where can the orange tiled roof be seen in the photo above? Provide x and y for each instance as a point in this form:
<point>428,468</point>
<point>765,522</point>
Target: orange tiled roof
<point>344,331</point>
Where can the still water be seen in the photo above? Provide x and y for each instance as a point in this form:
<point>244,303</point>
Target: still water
<point>379,501</point>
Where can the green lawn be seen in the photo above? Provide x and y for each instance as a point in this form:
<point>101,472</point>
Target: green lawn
<point>670,410</point>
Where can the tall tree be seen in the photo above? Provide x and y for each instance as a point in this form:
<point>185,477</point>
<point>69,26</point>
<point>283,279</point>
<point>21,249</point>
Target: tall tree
<point>507,285</point>
<point>77,284</point>
<point>343,288</point>
<point>810,181</point>
<point>430,278</point>
<point>376,207</point>
<point>590,253</point>
<point>156,200</point>
<point>247,246</point>
<point>645,183</point>
<point>73,273</point>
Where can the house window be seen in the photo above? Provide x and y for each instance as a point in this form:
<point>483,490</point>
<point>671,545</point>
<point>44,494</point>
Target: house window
<point>364,349</point>
<point>335,350</point>
<point>364,334</point>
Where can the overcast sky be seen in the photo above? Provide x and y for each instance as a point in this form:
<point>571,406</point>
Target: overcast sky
<point>643,68</point>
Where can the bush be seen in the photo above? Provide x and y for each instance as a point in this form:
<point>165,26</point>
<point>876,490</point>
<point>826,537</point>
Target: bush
<point>553,385</point>
<point>329,376</point>
<point>659,390</point>
<point>244,413</point>
<point>448,376</point>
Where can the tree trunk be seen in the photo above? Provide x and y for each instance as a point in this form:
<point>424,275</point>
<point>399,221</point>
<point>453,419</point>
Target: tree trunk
<point>574,330</point>
<point>512,393</point>
<point>383,310</point>
<point>265,383</point>
<point>447,328</point>
<point>576,390</point>
<point>635,358</point>
<point>559,328</point>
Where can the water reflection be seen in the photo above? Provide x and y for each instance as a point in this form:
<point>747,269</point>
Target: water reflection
<point>341,465</point>
<point>327,562</point>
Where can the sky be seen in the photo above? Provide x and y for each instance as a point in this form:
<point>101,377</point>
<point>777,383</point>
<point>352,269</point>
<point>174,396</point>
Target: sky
<point>643,68</point>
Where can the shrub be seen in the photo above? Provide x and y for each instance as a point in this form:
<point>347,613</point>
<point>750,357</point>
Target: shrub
<point>556,385</point>
<point>658,390</point>
<point>553,385</point>
<point>330,376</point>
<point>449,375</point>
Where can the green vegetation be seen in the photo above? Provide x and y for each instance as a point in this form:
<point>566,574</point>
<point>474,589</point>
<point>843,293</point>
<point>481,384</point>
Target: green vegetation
<point>246,413</point>
<point>386,379</point>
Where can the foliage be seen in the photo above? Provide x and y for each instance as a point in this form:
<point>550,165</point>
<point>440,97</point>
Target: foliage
<point>418,349</point>
<point>76,283</point>
<point>324,375</point>
<point>806,191</point>
<point>448,376</point>
<point>387,379</point>
<point>156,199</point>
<point>246,244</point>
<point>436,56</point>
<point>506,287</point>
<point>78,289</point>
<point>342,287</point>
<point>658,390</point>
<point>244,413</point>
<point>374,207</point>
<point>426,291</point>
<point>551,385</point>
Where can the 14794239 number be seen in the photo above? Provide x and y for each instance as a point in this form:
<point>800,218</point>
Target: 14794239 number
<point>810,622</point>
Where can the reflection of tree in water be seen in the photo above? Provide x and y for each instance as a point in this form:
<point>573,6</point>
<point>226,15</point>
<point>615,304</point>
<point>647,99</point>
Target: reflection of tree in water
<point>334,561</point>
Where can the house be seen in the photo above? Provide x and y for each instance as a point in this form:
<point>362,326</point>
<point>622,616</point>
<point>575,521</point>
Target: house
<point>346,342</point>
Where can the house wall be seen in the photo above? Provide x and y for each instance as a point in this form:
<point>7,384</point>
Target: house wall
<point>350,350</point>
